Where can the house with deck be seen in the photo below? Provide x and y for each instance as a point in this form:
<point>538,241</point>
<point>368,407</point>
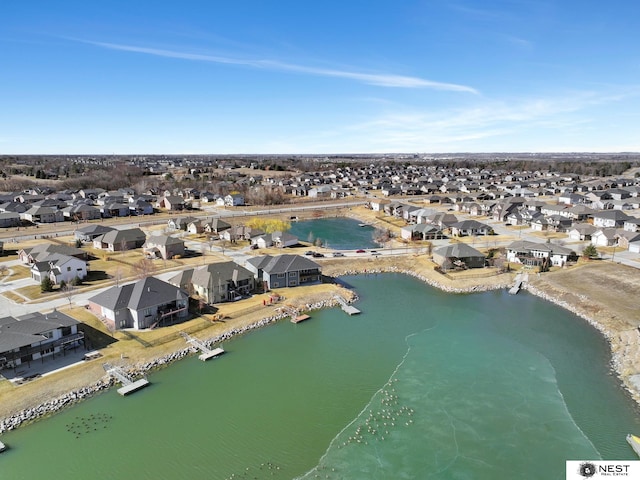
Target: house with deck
<point>216,282</point>
<point>37,337</point>
<point>284,270</point>
<point>147,303</point>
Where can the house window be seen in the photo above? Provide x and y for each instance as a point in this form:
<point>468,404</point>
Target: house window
<point>281,275</point>
<point>293,274</point>
<point>147,312</point>
<point>68,269</point>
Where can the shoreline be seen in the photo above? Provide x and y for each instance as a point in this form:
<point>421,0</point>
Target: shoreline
<point>618,352</point>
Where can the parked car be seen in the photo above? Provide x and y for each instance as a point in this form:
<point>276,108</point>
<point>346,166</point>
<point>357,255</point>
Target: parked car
<point>309,252</point>
<point>318,254</point>
<point>360,250</point>
<point>338,254</point>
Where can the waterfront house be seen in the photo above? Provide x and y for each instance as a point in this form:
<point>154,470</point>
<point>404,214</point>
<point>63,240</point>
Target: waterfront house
<point>147,303</point>
<point>37,336</point>
<point>458,256</point>
<point>535,254</point>
<point>284,270</point>
<point>216,282</point>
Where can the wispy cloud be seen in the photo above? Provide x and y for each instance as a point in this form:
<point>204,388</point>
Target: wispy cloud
<point>378,79</point>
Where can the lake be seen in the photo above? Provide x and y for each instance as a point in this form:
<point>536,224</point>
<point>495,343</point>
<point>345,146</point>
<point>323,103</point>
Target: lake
<point>422,384</point>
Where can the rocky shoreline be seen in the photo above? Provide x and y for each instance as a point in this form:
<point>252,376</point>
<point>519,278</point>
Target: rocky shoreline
<point>52,406</point>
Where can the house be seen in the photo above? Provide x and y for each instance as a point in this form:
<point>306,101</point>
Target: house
<point>43,215</point>
<point>115,209</point>
<point>284,270</point>
<point>42,251</point>
<point>581,232</point>
<point>59,268</point>
<point>610,219</point>
<point>469,228</point>
<point>275,239</point>
<point>81,211</point>
<point>421,231</point>
<point>536,254</point>
<point>163,246</point>
<point>458,255</point>
<point>216,226</point>
<point>240,232</point>
<point>140,206</point>
<point>89,232</point>
<point>171,202</point>
<point>180,223</point>
<point>217,282</point>
<point>147,303</point>
<point>604,237</point>
<point>197,226</point>
<point>37,336</point>
<point>9,219</point>
<point>120,240</point>
<point>233,200</point>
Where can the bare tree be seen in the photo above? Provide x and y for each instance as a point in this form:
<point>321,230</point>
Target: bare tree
<point>117,275</point>
<point>144,268</point>
<point>68,291</point>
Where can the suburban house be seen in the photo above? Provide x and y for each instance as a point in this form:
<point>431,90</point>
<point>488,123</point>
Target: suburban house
<point>275,239</point>
<point>610,219</point>
<point>216,282</point>
<point>421,231</point>
<point>120,240</point>
<point>9,219</point>
<point>216,226</point>
<point>147,303</point>
<point>581,232</point>
<point>59,268</point>
<point>115,209</point>
<point>163,246</point>
<point>284,270</point>
<point>91,231</point>
<point>535,254</point>
<point>604,237</point>
<point>43,215</point>
<point>171,202</point>
<point>458,255</point>
<point>233,200</point>
<point>37,336</point>
<point>197,226</point>
<point>469,228</point>
<point>180,223</point>
<point>42,251</point>
<point>81,211</point>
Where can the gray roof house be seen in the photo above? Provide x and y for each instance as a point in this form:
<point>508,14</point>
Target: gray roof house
<point>36,336</point>
<point>458,255</point>
<point>91,231</point>
<point>217,282</point>
<point>118,240</point>
<point>147,303</point>
<point>163,246</point>
<point>284,270</point>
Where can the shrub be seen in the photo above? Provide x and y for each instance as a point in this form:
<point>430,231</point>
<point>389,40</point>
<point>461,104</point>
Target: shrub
<point>46,285</point>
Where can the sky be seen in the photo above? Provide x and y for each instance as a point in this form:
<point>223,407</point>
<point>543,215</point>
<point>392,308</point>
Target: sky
<point>304,77</point>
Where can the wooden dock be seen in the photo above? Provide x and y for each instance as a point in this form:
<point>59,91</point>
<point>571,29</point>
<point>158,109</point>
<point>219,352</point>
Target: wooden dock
<point>300,318</point>
<point>349,309</point>
<point>207,353</point>
<point>3,447</point>
<point>211,354</point>
<point>520,279</point>
<point>128,385</point>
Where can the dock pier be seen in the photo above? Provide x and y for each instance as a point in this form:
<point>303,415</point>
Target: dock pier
<point>207,353</point>
<point>521,278</point>
<point>128,385</point>
<point>349,309</point>
<point>3,447</point>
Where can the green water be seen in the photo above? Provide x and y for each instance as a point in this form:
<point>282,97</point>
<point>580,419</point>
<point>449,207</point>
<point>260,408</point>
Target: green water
<point>480,386</point>
<point>339,233</point>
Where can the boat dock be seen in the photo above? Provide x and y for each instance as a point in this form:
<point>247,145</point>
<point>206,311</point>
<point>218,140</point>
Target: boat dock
<point>349,309</point>
<point>520,279</point>
<point>3,447</point>
<point>128,385</point>
<point>299,318</point>
<point>207,353</point>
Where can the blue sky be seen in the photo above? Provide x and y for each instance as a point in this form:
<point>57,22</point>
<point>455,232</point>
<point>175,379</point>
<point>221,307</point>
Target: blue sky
<point>349,76</point>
